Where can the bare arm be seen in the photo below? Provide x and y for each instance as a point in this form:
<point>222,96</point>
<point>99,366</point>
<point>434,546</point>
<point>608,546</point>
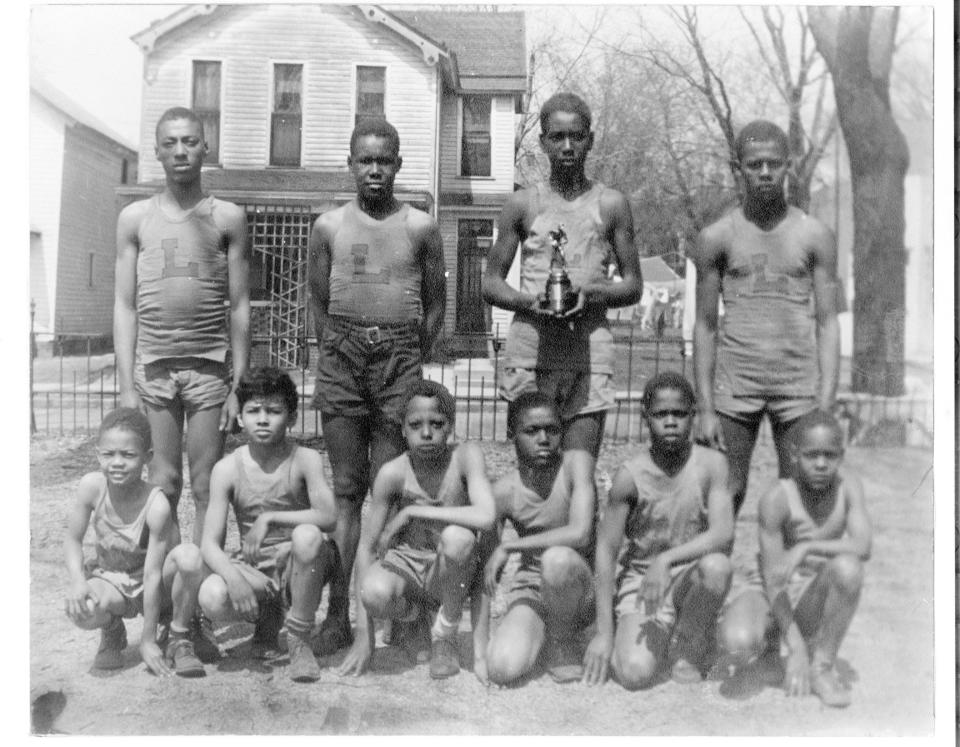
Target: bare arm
<point>858,537</point>
<point>775,563</point>
<point>125,302</point>
<point>323,509</point>
<point>318,273</point>
<point>825,290</point>
<point>433,287</point>
<point>618,220</point>
<point>238,280</point>
<point>77,521</point>
<point>708,258</point>
<point>480,513</point>
<point>159,524</point>
<point>510,232</point>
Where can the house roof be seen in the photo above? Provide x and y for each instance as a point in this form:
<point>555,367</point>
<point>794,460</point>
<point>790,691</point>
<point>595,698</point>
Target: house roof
<point>72,110</point>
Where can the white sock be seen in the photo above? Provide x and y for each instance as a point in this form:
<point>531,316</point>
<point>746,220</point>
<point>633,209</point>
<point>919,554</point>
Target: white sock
<point>444,628</point>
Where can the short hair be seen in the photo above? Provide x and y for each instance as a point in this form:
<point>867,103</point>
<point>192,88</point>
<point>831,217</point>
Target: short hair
<point>127,419</point>
<point>760,131</point>
<point>564,102</point>
<point>178,112</point>
<point>667,380</point>
<point>525,402</point>
<point>432,390</point>
<point>809,421</point>
<point>265,382</point>
<point>380,128</point>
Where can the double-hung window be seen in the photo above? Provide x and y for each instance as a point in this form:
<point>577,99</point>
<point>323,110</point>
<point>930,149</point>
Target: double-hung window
<point>287,117</point>
<point>475,136</point>
<point>371,93</point>
<point>206,104</point>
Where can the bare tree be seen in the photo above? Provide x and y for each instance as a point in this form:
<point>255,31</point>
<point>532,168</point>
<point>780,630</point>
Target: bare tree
<point>857,44</point>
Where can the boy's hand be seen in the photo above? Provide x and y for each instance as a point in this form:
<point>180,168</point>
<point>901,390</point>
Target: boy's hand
<point>596,660</point>
<point>358,657</point>
<point>795,556</point>
<point>131,399</point>
<point>228,414</point>
<point>80,603</point>
<point>153,657</point>
<point>491,572</point>
<point>390,531</point>
<point>254,538</point>
<point>654,584</point>
<point>577,308</point>
<point>243,599</point>
<point>708,431</point>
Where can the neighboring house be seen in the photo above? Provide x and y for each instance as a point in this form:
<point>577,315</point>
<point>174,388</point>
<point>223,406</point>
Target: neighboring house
<point>76,164</point>
<point>280,88</point>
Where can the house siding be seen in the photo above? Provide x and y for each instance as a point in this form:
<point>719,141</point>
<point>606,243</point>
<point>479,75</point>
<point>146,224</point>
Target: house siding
<point>330,41</point>
<point>502,124</point>
<point>88,216</point>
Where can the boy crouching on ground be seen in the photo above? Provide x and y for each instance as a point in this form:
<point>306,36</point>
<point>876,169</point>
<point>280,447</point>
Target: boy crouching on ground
<point>672,502</point>
<point>550,501</point>
<point>815,536</point>
<point>427,550</point>
<point>283,508</point>
<point>133,572</point>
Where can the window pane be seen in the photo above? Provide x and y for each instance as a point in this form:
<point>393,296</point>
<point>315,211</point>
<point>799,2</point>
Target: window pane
<point>206,104</point>
<point>285,140</point>
<point>371,91</point>
<point>288,85</point>
<point>475,144</point>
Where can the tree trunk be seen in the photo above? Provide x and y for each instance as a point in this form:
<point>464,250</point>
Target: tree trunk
<point>857,44</point>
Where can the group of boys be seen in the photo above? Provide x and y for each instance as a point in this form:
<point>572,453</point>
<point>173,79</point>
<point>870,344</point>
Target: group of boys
<point>649,575</point>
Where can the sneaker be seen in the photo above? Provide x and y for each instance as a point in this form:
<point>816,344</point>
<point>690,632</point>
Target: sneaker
<point>563,659</point>
<point>182,657</point>
<point>303,665</point>
<point>265,643</point>
<point>204,639</point>
<point>113,640</point>
<point>444,659</point>
<point>827,686</point>
<point>685,672</point>
<point>331,637</point>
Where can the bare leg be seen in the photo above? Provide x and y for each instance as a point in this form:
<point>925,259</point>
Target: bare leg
<point>824,612</point>
<point>638,649</point>
<point>182,575</point>
<point>584,432</point>
<point>311,559</point>
<point>110,605</point>
<point>740,436</point>
<point>515,645</point>
<point>166,467</point>
<point>204,448</point>
<point>743,629</point>
<point>382,593</point>
<point>566,585</point>
<point>698,605</point>
<point>455,553</point>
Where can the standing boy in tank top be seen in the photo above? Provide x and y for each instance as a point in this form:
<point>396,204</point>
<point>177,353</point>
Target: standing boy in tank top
<point>378,289</point>
<point>570,358</point>
<point>671,504</point>
<point>551,505</point>
<point>181,256</point>
<point>778,349</point>
<point>419,541</point>
<point>815,537</point>
<point>283,508</point>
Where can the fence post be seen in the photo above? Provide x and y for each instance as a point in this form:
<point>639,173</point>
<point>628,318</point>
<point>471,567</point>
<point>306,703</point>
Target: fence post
<point>87,386</point>
<point>33,355</point>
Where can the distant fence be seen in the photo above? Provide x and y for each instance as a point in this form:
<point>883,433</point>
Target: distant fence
<point>73,394</point>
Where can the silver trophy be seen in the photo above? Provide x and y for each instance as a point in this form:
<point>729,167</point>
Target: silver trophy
<point>559,291</point>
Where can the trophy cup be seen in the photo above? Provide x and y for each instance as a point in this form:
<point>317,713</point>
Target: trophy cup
<point>559,292</point>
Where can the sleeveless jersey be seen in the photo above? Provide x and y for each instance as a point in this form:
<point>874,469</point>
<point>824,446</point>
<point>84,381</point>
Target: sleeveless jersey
<point>256,491</point>
<point>374,274</point>
<point>529,514</point>
<point>669,510</point>
<point>767,338</point>
<point>536,342</point>
<point>182,284</point>
<point>121,546</point>
<point>418,533</point>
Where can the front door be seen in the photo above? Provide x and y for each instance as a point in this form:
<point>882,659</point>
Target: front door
<point>474,239</point>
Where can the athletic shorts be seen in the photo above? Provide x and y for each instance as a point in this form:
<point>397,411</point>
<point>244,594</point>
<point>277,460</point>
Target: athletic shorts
<point>271,574</point>
<point>419,566</point>
<point>752,409</point>
<point>198,383</point>
<point>130,588</point>
<point>575,392</point>
<point>628,589</point>
<point>752,581</point>
<point>525,588</point>
<point>366,371</point>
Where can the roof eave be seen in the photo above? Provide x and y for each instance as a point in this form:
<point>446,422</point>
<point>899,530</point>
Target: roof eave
<point>147,39</point>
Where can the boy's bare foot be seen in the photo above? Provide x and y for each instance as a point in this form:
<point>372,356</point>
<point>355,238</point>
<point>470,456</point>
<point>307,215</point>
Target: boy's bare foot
<point>113,640</point>
<point>564,660</point>
<point>827,686</point>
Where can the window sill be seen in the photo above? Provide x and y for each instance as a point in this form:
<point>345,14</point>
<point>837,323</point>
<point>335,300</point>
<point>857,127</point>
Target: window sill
<point>477,178</point>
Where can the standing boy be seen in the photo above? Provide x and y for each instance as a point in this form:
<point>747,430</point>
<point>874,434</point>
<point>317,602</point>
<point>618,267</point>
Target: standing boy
<point>815,536</point>
<point>569,357</point>
<point>550,503</point>
<point>778,350</point>
<point>378,290</point>
<point>284,509</point>
<point>425,553</point>
<point>182,255</point>
<point>671,501</point>
<point>137,569</point>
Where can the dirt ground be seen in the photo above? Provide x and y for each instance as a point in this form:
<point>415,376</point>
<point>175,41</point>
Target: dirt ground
<point>887,656</point>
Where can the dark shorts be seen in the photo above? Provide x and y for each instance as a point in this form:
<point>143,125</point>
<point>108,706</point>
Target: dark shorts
<point>270,577</point>
<point>526,589</point>
<point>198,383</point>
<point>420,566</point>
<point>752,409</point>
<point>574,392</point>
<point>366,371</point>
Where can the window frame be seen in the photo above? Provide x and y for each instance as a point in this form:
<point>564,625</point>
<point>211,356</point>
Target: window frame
<point>272,113</point>
<point>213,157</point>
<point>356,90</point>
<point>460,135</point>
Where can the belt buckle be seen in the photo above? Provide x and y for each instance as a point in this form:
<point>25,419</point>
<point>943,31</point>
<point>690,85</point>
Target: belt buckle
<point>372,334</point>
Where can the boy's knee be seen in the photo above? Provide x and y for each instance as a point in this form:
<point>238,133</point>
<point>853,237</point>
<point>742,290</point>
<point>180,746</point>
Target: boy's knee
<point>376,594</point>
<point>505,663</point>
<point>739,640</point>
<point>306,541</point>
<point>213,597</point>
<point>187,558</point>
<point>457,544</point>
<point>634,667</point>
<point>348,485</point>
<point>715,571</point>
<point>168,479</point>
<point>846,572</point>
<point>558,565</point>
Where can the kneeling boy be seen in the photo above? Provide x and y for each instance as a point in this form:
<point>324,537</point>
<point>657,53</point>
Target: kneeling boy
<point>814,539</point>
<point>427,551</point>
<point>133,572</point>
<point>284,509</point>
<point>550,501</point>
<point>673,503</point>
